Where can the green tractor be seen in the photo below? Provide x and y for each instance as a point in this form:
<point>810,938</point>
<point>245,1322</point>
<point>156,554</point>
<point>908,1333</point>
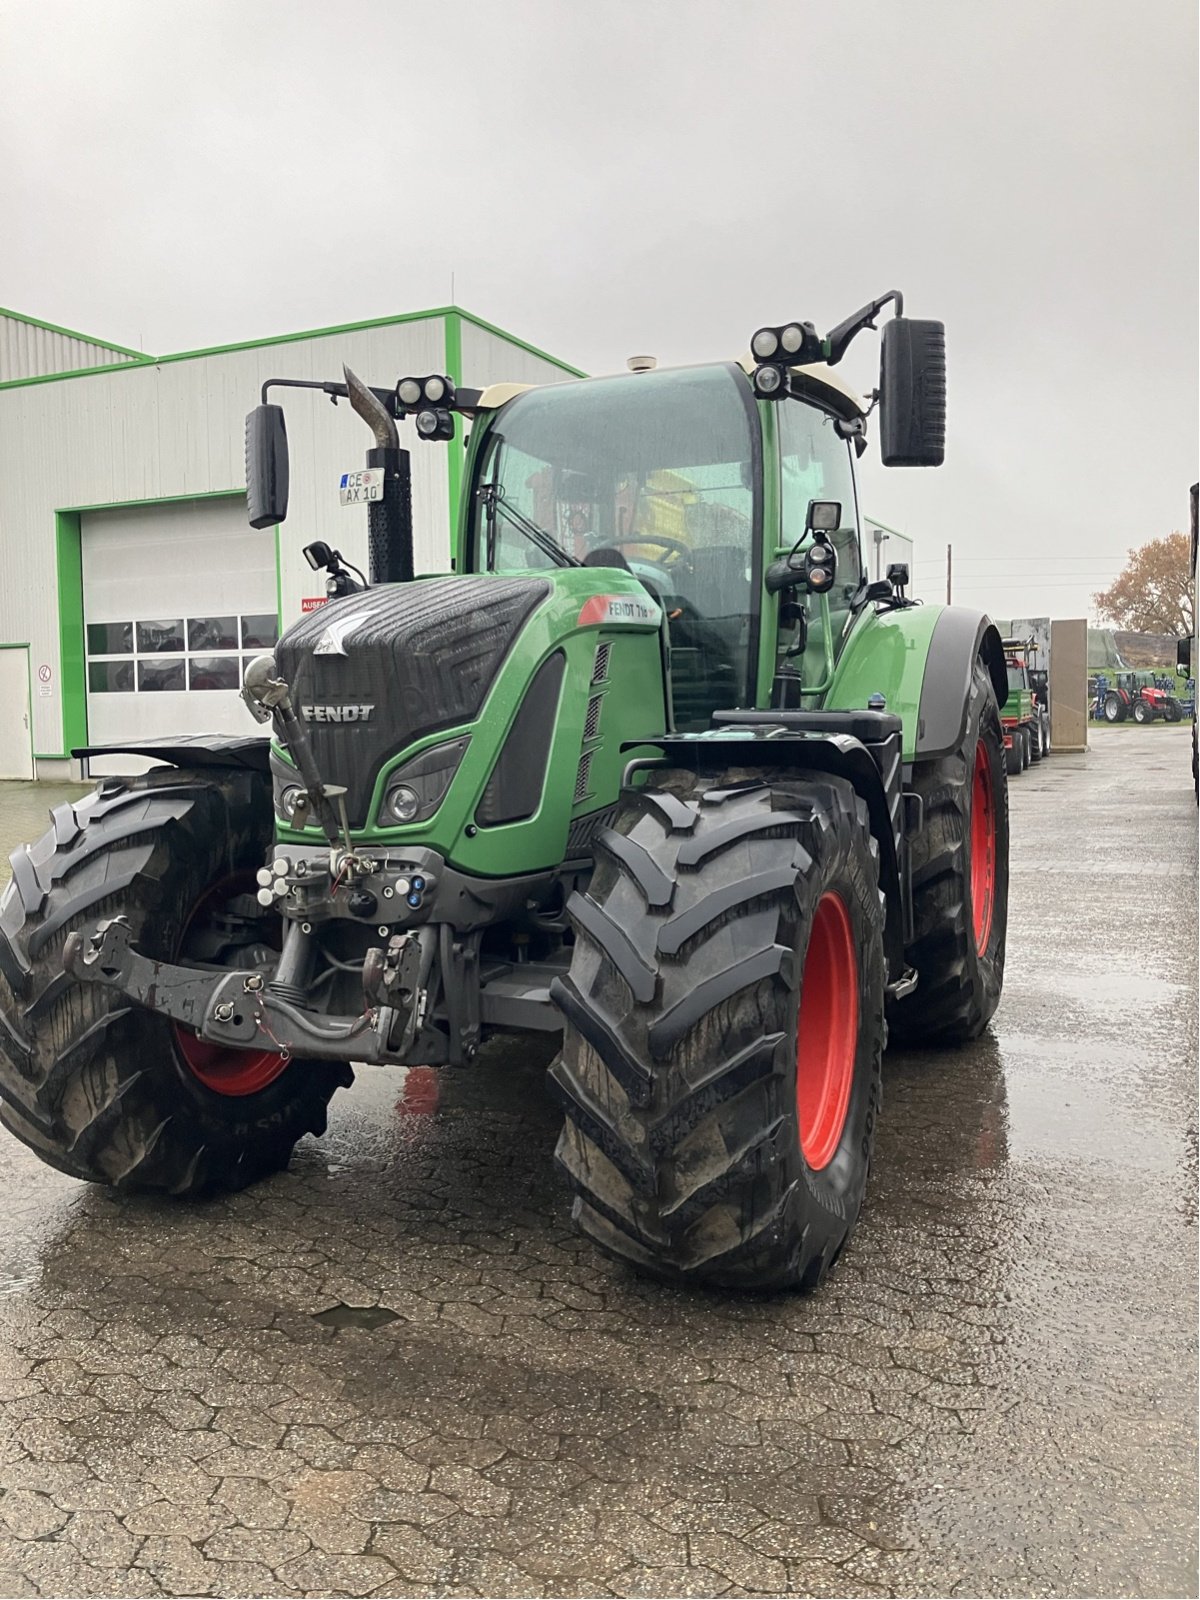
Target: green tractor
<point>655,768</point>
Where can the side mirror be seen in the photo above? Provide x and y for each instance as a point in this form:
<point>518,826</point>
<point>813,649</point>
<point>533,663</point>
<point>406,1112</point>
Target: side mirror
<point>1183,657</point>
<point>266,466</point>
<point>912,393</point>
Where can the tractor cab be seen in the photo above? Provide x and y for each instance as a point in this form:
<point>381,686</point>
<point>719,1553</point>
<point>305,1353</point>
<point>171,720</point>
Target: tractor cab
<point>684,479</point>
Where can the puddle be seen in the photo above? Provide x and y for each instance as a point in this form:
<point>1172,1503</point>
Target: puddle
<point>344,1316</point>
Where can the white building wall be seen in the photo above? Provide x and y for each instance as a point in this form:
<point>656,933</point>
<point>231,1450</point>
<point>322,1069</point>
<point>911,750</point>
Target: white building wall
<point>175,428</point>
<point>170,429</point>
<point>489,358</point>
<point>30,350</point>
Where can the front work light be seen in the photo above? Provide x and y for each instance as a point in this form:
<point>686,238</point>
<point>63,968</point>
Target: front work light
<point>770,382</point>
<point>435,390</point>
<point>435,424</point>
<point>793,344</point>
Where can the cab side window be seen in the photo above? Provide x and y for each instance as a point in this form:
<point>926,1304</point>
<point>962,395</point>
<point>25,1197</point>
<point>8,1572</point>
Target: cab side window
<point>815,464</point>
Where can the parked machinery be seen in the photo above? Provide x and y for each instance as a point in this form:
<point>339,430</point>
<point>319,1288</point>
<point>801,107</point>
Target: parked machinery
<point>656,768</point>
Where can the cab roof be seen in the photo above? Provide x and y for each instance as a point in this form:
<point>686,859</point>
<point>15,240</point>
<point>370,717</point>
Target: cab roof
<point>821,380</point>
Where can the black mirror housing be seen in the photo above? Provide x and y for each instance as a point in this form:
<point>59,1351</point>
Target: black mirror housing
<point>266,466</point>
<point>1183,657</point>
<point>912,393</point>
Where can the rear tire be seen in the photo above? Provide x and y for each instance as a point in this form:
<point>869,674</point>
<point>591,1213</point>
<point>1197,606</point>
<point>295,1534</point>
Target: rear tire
<point>99,1087</point>
<point>704,1143</point>
<point>1114,708</point>
<point>1012,757</point>
<point>1034,734</point>
<point>957,949</point>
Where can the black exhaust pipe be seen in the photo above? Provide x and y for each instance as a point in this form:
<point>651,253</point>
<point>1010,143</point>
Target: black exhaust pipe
<point>390,520</point>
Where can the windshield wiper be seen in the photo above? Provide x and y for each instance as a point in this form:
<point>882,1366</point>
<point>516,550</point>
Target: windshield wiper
<point>492,495</point>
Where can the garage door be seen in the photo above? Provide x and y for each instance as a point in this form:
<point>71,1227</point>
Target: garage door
<point>176,599</point>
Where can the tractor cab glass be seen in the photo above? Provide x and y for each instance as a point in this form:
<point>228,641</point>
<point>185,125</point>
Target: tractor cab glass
<point>814,464</point>
<point>658,472</point>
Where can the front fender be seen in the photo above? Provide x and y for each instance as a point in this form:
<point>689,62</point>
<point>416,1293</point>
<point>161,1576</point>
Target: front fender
<point>921,659</point>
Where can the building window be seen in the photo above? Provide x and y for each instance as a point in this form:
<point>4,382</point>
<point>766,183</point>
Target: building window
<point>154,655</point>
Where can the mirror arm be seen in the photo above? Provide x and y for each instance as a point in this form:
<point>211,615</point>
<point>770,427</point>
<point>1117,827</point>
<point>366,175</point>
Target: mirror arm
<point>837,340</point>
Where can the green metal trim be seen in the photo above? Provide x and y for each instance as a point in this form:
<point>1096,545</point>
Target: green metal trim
<point>68,548</point>
<point>154,500</point>
<point>521,344</point>
<point>454,450</point>
<point>77,372</point>
<point>17,644</point>
<point>306,333</point>
<point>293,338</point>
<point>768,633</point>
<point>71,333</point>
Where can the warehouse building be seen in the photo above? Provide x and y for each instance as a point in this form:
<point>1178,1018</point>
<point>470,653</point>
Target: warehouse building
<point>133,589</point>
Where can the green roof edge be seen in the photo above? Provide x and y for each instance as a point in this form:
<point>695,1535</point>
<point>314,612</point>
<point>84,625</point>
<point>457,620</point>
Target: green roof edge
<point>291,338</point>
<point>70,333</point>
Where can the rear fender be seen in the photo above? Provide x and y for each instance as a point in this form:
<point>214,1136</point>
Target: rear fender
<point>921,660</point>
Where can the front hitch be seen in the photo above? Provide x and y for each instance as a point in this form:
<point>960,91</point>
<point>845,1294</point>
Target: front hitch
<point>239,1009</point>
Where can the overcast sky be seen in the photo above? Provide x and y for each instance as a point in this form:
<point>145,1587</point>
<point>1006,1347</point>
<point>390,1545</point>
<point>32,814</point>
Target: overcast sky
<point>664,175</point>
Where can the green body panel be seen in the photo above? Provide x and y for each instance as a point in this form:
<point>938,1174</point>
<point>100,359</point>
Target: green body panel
<point>632,708</point>
<point>1018,707</point>
<point>885,654</point>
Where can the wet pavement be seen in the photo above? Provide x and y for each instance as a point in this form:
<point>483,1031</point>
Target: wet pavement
<point>995,1392</point>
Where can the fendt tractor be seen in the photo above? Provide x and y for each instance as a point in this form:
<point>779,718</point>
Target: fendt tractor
<point>654,767</point>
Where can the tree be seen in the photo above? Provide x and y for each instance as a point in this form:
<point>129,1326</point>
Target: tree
<point>1154,592</point>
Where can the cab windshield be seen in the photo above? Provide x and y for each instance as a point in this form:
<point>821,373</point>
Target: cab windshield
<point>658,472</point>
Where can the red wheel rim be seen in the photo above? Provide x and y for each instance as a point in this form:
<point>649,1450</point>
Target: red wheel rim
<point>983,848</point>
<point>217,1066</point>
<point>826,1032</point>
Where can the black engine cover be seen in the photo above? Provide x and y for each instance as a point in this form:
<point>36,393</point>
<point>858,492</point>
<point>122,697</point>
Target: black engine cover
<point>422,656</point>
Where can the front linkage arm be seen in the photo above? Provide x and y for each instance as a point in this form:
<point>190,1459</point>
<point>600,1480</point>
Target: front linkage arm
<point>239,1008</point>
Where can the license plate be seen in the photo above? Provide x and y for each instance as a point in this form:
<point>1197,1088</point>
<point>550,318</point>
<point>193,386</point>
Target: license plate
<point>357,488</point>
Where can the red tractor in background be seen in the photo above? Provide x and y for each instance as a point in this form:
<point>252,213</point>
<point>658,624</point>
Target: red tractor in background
<point>1144,702</point>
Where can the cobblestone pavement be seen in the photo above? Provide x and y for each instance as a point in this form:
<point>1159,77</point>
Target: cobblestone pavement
<point>994,1393</point>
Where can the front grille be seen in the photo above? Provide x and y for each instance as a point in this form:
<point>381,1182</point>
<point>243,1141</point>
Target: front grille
<point>600,665</point>
<point>422,656</point>
<point>583,778</point>
<point>591,724</point>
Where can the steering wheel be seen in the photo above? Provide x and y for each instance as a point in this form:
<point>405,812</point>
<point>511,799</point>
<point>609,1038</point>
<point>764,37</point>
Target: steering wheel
<point>671,546</point>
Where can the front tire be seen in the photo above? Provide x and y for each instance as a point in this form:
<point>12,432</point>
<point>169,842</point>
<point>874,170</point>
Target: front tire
<point>1142,712</point>
<point>724,1030</point>
<point>102,1089</point>
<point>960,884</point>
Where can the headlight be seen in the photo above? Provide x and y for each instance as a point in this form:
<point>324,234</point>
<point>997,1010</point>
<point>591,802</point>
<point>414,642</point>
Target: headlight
<point>403,803</point>
<point>287,799</point>
<point>415,790</point>
<point>764,343</point>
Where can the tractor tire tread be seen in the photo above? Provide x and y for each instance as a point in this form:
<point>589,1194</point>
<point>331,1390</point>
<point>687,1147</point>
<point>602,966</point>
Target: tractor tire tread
<point>674,1119</point>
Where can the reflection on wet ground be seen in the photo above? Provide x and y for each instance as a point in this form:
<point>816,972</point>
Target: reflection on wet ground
<point>995,1392</point>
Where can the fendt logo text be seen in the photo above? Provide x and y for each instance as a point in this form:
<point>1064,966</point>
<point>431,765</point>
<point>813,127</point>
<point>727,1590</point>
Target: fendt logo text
<point>336,713</point>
